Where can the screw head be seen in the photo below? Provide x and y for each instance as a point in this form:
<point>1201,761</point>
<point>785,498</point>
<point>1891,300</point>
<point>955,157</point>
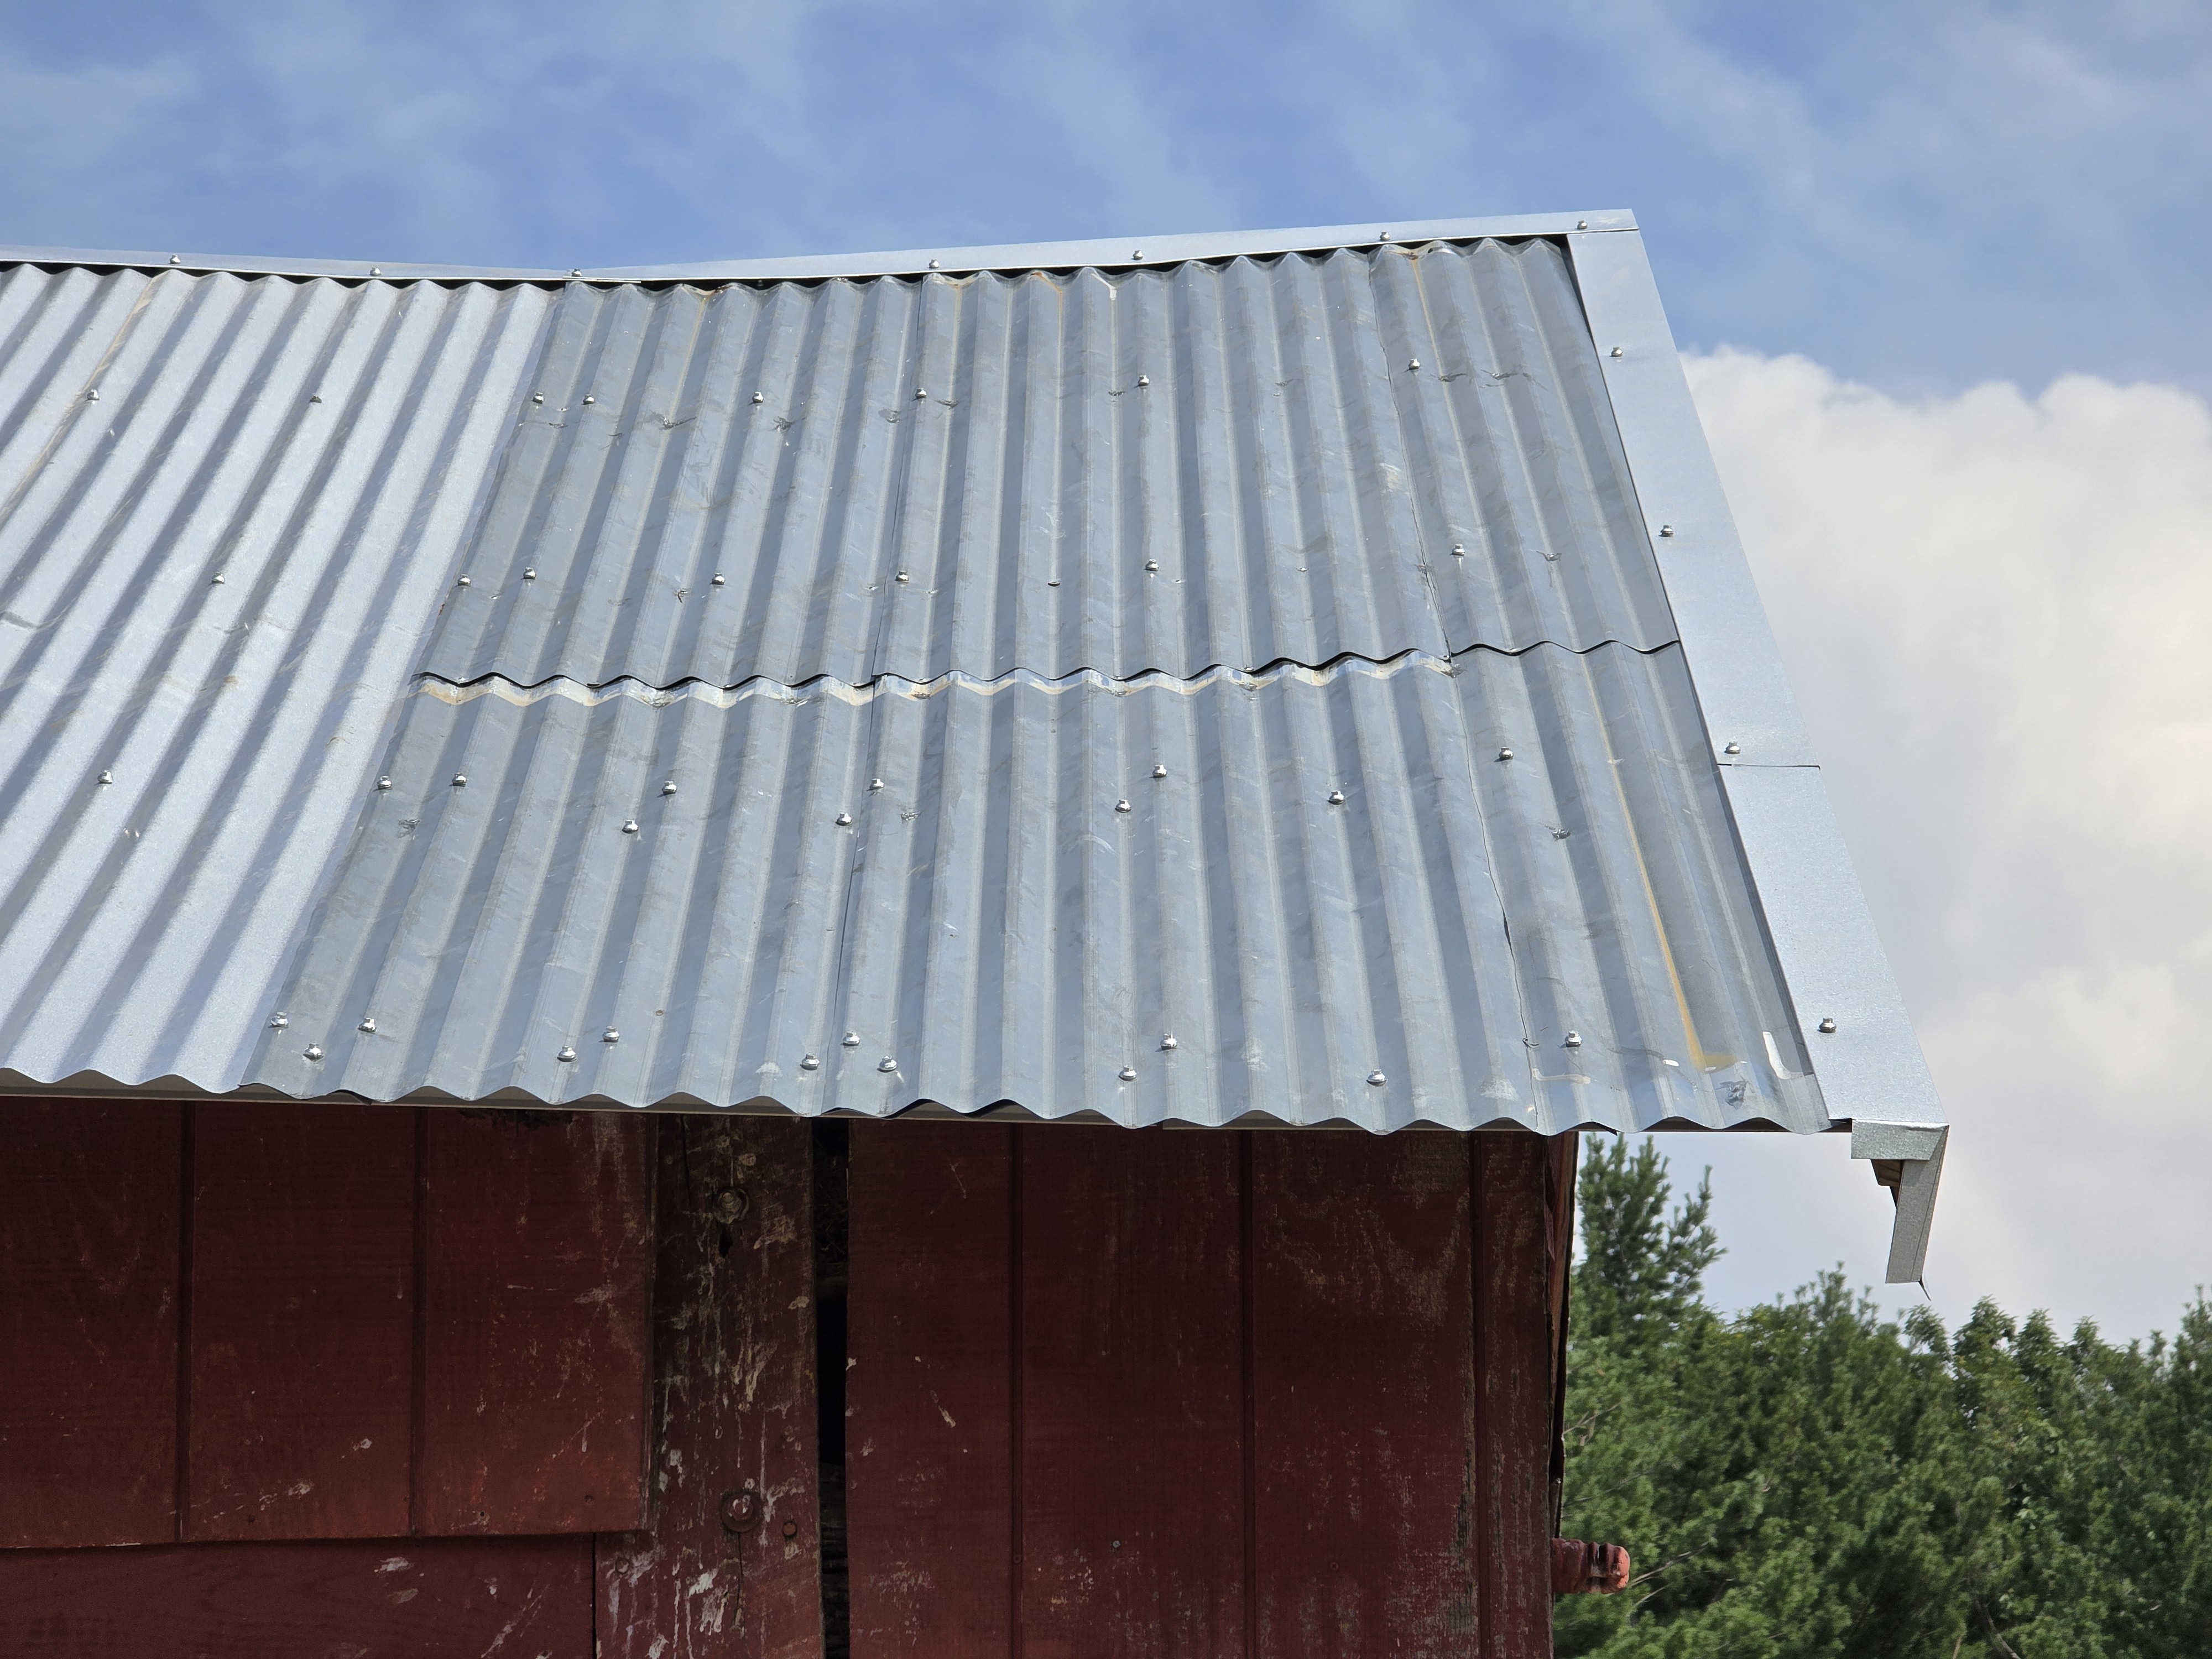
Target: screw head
<point>1121,806</point>
<point>576,273</point>
<point>741,1510</point>
<point>107,777</point>
<point>1136,253</point>
<point>1128,1074</point>
<point>1732,748</point>
<point>921,392</point>
<point>589,400</point>
<point>376,270</point>
<point>874,784</point>
<point>464,582</point>
<point>1617,351</point>
<point>1581,224</point>
<point>1574,1039</point>
<point>1505,754</point>
<point>669,788</point>
<point>1159,771</point>
<point>530,573</point>
<point>1666,529</point>
<point>900,577</point>
<point>629,826</point>
<point>537,397</point>
<point>887,1063</point>
<point>844,820</point>
<point>218,580</point>
<point>719,579</point>
<point>1414,366</point>
<point>1386,236</point>
<point>1167,1043</point>
<point>791,1528</point>
<point>1828,1026</point>
<point>1375,1079</point>
<point>760,397</point>
<point>1144,380</point>
<point>460,779</point>
<point>315,398</point>
<point>566,1054</point>
<point>937,264</point>
<point>176,258</point>
<point>314,1051</point>
<point>383,785</point>
<point>368,1023</point>
<point>277,1021</point>
<point>610,1034</point>
<point>1459,549</point>
<point>1151,566</point>
<point>809,1063</point>
<point>1336,798</point>
<point>852,1039</point>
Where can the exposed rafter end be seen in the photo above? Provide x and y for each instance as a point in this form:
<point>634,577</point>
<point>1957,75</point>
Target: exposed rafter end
<point>1908,1159</point>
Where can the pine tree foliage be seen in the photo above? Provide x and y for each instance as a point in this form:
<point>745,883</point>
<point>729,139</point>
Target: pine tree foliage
<point>1809,1480</point>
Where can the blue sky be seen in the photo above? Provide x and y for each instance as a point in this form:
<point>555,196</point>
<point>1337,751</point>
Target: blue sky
<point>1921,197</point>
<point>1941,271</point>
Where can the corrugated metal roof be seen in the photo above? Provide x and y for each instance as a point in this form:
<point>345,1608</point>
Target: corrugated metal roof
<point>314,532</point>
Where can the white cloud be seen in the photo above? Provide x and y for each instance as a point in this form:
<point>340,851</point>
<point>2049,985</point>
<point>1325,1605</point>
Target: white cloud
<point>1997,610</point>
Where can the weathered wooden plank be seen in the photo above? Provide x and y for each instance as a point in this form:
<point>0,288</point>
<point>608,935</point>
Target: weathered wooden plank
<point>407,1598</point>
<point>536,1291</point>
<point>302,1328</point>
<point>1512,1418</point>
<point>89,1239</point>
<point>1132,1485</point>
<point>1362,1374</point>
<point>929,1442</point>
<point>733,1407</point>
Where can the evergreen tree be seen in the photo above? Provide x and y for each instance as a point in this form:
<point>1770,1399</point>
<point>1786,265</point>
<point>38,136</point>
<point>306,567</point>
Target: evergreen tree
<point>1809,1480</point>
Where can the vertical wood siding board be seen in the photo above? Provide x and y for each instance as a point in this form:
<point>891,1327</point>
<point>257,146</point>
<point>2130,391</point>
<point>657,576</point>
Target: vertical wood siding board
<point>1363,1363</point>
<point>537,1258</point>
<point>89,1243</point>
<point>1131,1364</point>
<point>928,1448</point>
<point>379,1599</point>
<point>732,1402</point>
<point>1560,1166</point>
<point>1513,1417</point>
<point>302,1379</point>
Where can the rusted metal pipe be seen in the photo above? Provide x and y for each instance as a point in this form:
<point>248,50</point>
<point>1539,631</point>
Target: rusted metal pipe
<point>1579,1568</point>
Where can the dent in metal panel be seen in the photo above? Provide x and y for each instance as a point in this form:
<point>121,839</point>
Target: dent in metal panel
<point>1163,470</point>
<point>992,925</point>
<point>213,580</point>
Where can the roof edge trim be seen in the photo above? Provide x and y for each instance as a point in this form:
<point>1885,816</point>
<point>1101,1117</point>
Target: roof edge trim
<point>1115,251</point>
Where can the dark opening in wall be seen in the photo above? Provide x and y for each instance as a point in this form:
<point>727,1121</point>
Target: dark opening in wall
<point>832,1259</point>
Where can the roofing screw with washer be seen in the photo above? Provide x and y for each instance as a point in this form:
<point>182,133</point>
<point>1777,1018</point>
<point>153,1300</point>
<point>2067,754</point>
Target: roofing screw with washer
<point>1136,253</point>
<point>316,398</point>
<point>629,826</point>
<point>1732,748</point>
<point>537,397</point>
<point>176,258</point>
<point>589,401</point>
<point>760,397</point>
<point>808,1063</point>
<point>1505,754</point>
<point>1828,1026</point>
<point>887,1063</point>
<point>1376,1078</point>
<point>107,777</point>
<point>314,1051</point>
<point>278,1021</point>
<point>384,784</point>
<point>368,1023</point>
<point>1666,529</point>
<point>1121,806</point>
<point>530,573</point>
<point>1128,1074</point>
<point>1415,365</point>
<point>1151,566</point>
<point>669,788</point>
<point>93,396</point>
<point>565,1055</point>
<point>1336,798</point>
<point>376,270</point>
<point>610,1034</point>
<point>921,392</point>
<point>464,581</point>
<point>852,1039</point>
<point>844,820</point>
<point>1574,1039</point>
<point>1167,1043</point>
<point>218,579</point>
<point>460,779</point>
<point>874,784</point>
<point>575,273</point>
<point>900,577</point>
<point>1159,771</point>
<point>1581,224</point>
<point>719,579</point>
<point>937,264</point>
<point>1459,549</point>
<point>1616,351</point>
<point>1386,236</point>
<point>1144,380</point>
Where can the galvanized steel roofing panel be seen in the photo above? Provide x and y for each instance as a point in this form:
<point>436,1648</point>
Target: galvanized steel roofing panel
<point>1233,465</point>
<point>312,533</point>
<point>1336,901</point>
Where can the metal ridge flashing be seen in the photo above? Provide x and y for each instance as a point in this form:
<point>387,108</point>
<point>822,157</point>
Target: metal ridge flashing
<point>1851,1014</point>
<point>1112,251</point>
